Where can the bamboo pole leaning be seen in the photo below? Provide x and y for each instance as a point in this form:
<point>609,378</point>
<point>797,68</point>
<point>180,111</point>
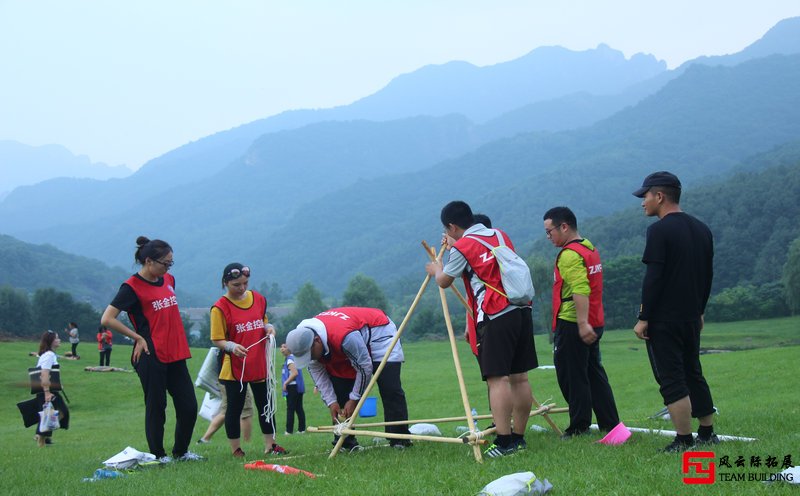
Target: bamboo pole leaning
<point>541,410</point>
<point>348,422</point>
<point>457,362</point>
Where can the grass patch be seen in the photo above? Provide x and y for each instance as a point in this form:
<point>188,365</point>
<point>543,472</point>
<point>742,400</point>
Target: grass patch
<point>755,390</point>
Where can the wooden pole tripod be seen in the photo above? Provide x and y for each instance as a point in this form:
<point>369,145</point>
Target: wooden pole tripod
<point>475,438</point>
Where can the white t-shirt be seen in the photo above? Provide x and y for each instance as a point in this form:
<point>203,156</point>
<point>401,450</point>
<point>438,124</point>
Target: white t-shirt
<point>47,360</point>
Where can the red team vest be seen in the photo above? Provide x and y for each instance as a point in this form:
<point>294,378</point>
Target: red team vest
<point>160,308</point>
<point>481,260</point>
<point>245,326</point>
<point>594,271</point>
<point>339,322</point>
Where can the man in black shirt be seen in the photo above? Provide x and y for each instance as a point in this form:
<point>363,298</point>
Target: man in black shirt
<point>679,253</point>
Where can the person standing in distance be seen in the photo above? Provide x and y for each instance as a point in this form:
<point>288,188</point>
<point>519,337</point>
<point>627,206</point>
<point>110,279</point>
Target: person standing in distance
<point>160,350</point>
<point>578,325</point>
<point>506,350</point>
<point>679,254</point>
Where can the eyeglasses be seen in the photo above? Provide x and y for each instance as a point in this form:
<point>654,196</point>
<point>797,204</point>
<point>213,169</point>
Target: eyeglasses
<point>237,273</point>
<point>548,231</point>
<point>167,264</point>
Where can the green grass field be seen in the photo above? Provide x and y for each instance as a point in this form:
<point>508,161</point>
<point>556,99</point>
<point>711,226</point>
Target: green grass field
<point>756,390</point>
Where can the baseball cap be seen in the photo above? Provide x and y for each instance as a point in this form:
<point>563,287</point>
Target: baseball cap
<point>299,341</point>
<point>660,178</point>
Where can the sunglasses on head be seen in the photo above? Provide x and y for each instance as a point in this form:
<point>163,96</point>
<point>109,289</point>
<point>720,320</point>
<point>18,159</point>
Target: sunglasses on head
<point>237,273</point>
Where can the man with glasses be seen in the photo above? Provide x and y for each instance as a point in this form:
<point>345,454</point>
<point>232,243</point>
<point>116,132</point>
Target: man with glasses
<point>679,253</point>
<point>578,326</point>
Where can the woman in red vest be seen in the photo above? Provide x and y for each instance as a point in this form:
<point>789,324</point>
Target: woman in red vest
<point>160,350</point>
<point>239,327</point>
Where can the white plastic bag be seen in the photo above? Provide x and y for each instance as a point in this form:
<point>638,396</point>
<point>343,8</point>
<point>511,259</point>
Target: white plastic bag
<point>519,484</point>
<point>207,377</point>
<point>424,430</point>
<point>128,458</point>
<point>210,407</point>
<point>48,418</point>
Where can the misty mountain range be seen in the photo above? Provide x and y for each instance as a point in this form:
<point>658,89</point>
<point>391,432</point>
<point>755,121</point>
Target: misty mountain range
<point>320,195</point>
<point>25,165</point>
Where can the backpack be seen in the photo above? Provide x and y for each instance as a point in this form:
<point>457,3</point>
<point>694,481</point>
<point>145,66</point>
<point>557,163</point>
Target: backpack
<point>514,272</point>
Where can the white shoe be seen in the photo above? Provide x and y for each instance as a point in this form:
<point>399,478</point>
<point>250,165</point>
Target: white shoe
<point>190,457</point>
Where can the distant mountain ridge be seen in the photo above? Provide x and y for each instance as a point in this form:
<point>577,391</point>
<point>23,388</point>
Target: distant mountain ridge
<point>482,88</point>
<point>22,164</point>
<point>287,205</point>
<point>738,111</point>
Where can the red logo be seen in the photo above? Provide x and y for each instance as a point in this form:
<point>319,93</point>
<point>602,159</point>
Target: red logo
<point>694,460</point>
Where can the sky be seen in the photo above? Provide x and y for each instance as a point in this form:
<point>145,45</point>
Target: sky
<point>124,82</point>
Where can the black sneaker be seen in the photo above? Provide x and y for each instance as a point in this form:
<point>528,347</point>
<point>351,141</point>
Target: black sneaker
<point>520,444</point>
<point>678,446</point>
<point>495,451</point>
<point>712,439</point>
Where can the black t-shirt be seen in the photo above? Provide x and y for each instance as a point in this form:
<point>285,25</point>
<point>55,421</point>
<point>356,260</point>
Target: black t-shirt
<point>679,254</point>
<point>127,301</point>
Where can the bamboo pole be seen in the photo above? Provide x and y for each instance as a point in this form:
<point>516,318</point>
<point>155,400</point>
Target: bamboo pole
<point>546,416</point>
<point>457,362</point>
<point>431,254</point>
<point>410,437</point>
<point>377,373</point>
<point>547,408</point>
<point>542,410</point>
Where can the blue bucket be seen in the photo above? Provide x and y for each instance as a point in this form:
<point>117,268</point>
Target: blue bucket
<point>369,408</point>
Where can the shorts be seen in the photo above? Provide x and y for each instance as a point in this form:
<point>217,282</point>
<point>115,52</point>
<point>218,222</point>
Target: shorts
<point>506,344</point>
<point>674,353</point>
<point>247,411</point>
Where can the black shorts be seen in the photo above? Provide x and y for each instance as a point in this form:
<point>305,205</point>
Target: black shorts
<point>674,352</point>
<point>506,344</point>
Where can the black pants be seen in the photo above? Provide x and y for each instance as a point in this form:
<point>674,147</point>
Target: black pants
<point>74,349</point>
<point>582,379</point>
<point>236,396</point>
<point>674,352</point>
<point>393,399</point>
<point>157,380</point>
<point>342,388</point>
<point>294,405</point>
<point>105,356</point>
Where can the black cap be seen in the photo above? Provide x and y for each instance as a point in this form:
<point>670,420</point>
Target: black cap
<point>660,178</point>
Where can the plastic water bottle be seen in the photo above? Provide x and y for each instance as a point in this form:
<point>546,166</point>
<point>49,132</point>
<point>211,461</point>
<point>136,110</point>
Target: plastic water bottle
<point>102,473</point>
<point>474,418</point>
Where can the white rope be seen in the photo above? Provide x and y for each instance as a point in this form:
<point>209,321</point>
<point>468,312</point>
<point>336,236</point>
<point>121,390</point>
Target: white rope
<point>244,363</point>
<point>340,426</point>
<point>272,381</point>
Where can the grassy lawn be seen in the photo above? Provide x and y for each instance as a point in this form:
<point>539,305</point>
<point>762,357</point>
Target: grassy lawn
<point>755,388</point>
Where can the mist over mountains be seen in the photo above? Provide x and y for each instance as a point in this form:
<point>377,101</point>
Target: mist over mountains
<point>25,165</point>
<point>320,195</point>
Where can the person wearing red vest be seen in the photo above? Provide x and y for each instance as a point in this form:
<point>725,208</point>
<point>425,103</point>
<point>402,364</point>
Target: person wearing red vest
<point>342,347</point>
<point>506,350</point>
<point>160,350</point>
<point>104,344</point>
<point>578,326</point>
<point>239,327</point>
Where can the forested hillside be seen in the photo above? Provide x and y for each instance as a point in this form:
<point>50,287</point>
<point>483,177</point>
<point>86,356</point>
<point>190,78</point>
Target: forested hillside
<point>700,126</point>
